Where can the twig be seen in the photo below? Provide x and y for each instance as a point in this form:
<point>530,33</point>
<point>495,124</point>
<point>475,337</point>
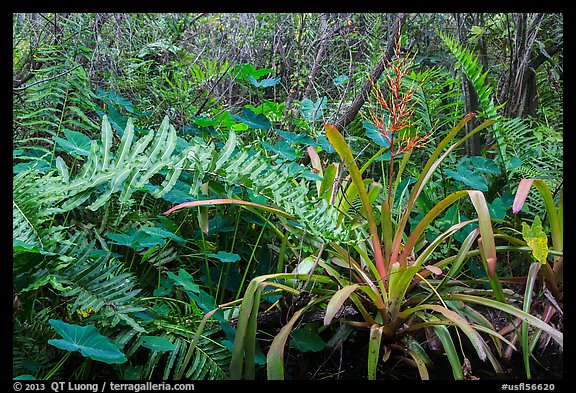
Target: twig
<point>45,80</point>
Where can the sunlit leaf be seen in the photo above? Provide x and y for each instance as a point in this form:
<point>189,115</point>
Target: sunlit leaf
<point>536,239</point>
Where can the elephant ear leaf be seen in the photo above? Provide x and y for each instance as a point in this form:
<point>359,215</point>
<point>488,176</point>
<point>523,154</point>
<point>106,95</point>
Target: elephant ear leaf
<point>87,340</point>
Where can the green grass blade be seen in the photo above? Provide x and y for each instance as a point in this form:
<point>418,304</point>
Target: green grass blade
<point>526,307</point>
<point>457,319</point>
<point>237,360</point>
<point>425,222</point>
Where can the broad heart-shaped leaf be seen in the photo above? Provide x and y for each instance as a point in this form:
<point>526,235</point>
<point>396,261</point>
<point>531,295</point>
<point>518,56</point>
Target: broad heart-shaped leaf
<point>184,279</point>
<point>75,143</point>
<point>307,339</point>
<point>536,239</point>
<point>225,256</point>
<point>296,139</point>
<point>497,209</point>
<point>88,341</point>
<point>283,149</point>
<point>113,98</point>
<point>163,233</point>
<point>340,80</point>
<point>264,82</point>
<point>312,111</point>
<point>325,144</point>
<point>253,120</point>
<point>374,133</point>
<point>468,177</point>
<point>484,165</point>
<point>515,162</point>
<point>246,70</point>
<point>138,240</point>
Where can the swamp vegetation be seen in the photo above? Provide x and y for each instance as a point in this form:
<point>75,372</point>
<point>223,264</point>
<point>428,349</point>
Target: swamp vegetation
<point>287,196</point>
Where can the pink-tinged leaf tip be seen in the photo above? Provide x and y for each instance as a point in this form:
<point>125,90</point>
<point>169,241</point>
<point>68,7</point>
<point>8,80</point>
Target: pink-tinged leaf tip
<point>521,194</point>
<point>434,269</point>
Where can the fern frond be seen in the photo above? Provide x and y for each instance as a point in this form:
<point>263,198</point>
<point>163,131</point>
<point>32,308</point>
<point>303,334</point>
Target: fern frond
<point>94,280</point>
<point>472,69</point>
<point>134,164</point>
<point>210,361</point>
<point>439,105</point>
<point>32,204</point>
<point>58,96</point>
<point>31,353</point>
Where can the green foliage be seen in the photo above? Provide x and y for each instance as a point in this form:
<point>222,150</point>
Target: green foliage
<point>536,239</point>
<point>87,340</point>
<point>60,96</point>
<point>312,111</point>
<point>216,121</point>
<point>476,76</point>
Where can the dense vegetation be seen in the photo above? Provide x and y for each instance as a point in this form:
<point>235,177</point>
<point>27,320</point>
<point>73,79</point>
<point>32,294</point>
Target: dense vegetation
<point>286,196</point>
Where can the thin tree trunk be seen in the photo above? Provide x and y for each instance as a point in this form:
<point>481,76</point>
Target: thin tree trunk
<point>324,38</point>
<point>360,99</point>
<point>471,104</point>
<point>522,95</point>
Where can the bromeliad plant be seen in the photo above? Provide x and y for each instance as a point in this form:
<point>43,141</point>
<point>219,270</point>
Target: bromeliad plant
<point>546,270</point>
<point>394,265</point>
<point>388,285</point>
